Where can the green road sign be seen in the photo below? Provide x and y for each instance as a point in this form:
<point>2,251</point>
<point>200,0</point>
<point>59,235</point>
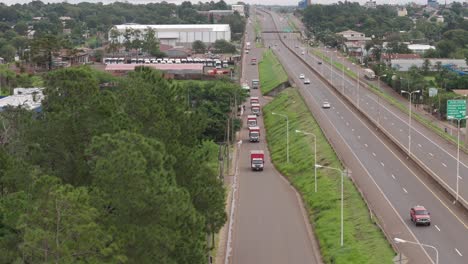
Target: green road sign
<point>456,109</point>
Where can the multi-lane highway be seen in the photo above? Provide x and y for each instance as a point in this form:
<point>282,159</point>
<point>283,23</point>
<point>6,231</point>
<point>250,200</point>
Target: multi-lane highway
<point>391,183</point>
<point>269,224</point>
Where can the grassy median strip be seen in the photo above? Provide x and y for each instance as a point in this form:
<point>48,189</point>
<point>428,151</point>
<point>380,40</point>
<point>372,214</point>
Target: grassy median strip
<point>271,72</point>
<point>393,101</point>
<point>363,240</point>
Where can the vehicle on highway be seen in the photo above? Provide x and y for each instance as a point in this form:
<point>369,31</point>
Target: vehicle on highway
<point>303,52</point>
<point>296,46</point>
<point>245,87</point>
<point>306,81</point>
<point>301,76</point>
<point>326,105</point>
<point>257,159</point>
<point>254,134</point>
<point>255,83</point>
<point>369,74</point>
<point>319,62</point>
<point>247,45</point>
<point>254,100</point>
<point>255,109</point>
<point>251,120</point>
<point>253,61</point>
<point>246,51</point>
<point>420,216</point>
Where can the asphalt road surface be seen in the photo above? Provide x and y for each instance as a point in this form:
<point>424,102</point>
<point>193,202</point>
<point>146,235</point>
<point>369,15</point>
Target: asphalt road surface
<point>397,179</point>
<point>269,222</point>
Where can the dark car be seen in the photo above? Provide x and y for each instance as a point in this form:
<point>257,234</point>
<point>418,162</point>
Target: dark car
<point>319,62</point>
<point>420,216</point>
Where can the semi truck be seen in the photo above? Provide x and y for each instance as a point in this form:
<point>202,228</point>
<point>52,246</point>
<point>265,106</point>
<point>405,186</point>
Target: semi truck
<point>255,109</point>
<point>257,159</point>
<point>251,120</point>
<point>255,83</point>
<point>253,61</point>
<point>369,74</point>
<point>254,100</point>
<point>254,134</point>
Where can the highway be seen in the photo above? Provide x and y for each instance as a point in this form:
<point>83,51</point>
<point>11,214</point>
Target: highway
<point>397,183</point>
<point>269,222</point>
<point>438,156</point>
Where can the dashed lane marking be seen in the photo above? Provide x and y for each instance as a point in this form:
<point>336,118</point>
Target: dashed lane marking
<point>437,227</point>
<point>458,252</point>
<point>405,190</point>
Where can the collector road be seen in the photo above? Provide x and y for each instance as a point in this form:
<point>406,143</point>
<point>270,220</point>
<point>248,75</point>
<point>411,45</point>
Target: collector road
<point>400,185</point>
<point>269,224</point>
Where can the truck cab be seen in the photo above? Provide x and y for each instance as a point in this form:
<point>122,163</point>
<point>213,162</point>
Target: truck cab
<point>251,120</point>
<point>255,109</point>
<point>257,160</point>
<point>253,61</point>
<point>255,83</point>
<point>254,134</point>
<point>254,100</point>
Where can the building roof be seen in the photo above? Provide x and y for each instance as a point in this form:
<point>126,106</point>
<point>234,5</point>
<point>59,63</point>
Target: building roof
<point>386,56</point>
<point>209,27</point>
<point>349,32</point>
<point>420,47</point>
<point>29,98</point>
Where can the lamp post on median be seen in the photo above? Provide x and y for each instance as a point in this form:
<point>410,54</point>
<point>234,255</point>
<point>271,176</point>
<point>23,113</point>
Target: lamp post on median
<point>399,240</point>
<point>342,199</point>
<point>458,153</point>
<point>287,134</point>
<point>315,155</point>
<point>410,113</point>
<point>378,97</point>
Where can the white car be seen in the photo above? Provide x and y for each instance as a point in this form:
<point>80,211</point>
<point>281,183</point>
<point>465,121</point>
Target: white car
<point>306,81</point>
<point>245,87</point>
<point>303,52</point>
<point>301,76</point>
<point>326,105</point>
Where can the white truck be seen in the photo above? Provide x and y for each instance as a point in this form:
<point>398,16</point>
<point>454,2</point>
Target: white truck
<point>369,74</point>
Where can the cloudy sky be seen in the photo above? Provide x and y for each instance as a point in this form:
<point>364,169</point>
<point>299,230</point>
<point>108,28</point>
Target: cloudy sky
<point>272,2</point>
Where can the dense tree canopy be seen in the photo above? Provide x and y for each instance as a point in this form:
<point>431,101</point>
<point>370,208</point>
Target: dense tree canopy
<point>136,164</point>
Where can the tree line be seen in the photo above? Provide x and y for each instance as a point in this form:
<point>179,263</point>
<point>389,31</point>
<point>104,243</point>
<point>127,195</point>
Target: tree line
<point>121,175</point>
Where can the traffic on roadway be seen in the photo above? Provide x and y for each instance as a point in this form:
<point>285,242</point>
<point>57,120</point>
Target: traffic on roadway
<point>400,184</point>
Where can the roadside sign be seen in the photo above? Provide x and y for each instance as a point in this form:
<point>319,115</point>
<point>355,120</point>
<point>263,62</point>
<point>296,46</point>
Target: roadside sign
<point>456,109</point>
<point>433,92</point>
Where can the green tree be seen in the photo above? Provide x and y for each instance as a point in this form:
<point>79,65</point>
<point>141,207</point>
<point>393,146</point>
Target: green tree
<point>43,49</point>
<point>223,46</point>
<point>114,43</point>
<point>151,43</point>
<point>57,223</point>
<point>198,46</point>
<point>426,66</point>
<point>155,218</point>
<point>8,52</point>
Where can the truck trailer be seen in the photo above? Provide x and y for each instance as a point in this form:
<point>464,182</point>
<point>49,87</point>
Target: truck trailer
<point>254,134</point>
<point>251,120</point>
<point>254,100</point>
<point>255,109</point>
<point>257,160</point>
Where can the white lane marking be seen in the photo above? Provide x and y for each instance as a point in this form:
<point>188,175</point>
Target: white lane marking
<point>401,130</point>
<point>437,227</point>
<point>337,112</point>
<point>405,190</point>
<point>458,252</point>
<point>385,117</point>
<point>347,123</point>
<point>381,163</point>
<point>341,117</point>
<point>393,124</point>
<point>445,165</point>
<point>359,137</point>
<point>393,176</point>
<point>373,153</point>
<point>367,102</point>
<point>432,155</point>
<point>366,145</point>
<point>419,145</point>
<point>352,129</point>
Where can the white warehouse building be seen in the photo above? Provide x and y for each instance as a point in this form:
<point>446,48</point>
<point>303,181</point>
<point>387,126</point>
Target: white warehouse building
<point>178,35</point>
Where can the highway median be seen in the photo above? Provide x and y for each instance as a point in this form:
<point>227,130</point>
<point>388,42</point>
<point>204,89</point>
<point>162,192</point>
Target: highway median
<point>364,242</point>
<point>271,72</point>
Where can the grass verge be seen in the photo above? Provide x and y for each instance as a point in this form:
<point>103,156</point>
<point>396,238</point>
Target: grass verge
<point>427,123</point>
<point>363,240</point>
<point>271,72</point>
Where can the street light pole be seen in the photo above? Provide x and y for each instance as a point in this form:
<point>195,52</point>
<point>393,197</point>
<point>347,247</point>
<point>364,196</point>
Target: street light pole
<point>287,134</point>
<point>410,114</point>
<point>342,75</point>
<point>342,196</point>
<point>458,155</point>
<point>399,240</point>
<point>378,97</point>
<point>315,155</point>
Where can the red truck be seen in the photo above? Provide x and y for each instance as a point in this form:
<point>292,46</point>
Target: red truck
<point>255,109</point>
<point>253,61</point>
<point>251,120</point>
<point>254,100</point>
<point>257,159</point>
<point>254,134</point>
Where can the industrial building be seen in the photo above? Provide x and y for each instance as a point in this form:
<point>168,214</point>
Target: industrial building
<point>178,35</point>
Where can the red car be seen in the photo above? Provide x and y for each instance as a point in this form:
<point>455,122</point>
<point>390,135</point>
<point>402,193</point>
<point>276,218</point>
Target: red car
<point>420,216</point>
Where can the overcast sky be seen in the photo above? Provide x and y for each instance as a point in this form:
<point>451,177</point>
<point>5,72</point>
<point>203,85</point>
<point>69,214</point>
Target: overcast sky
<point>272,2</point>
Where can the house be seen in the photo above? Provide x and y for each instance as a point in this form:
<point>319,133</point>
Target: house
<point>402,11</point>
<point>2,60</point>
<point>28,98</point>
<point>30,34</point>
<point>387,58</point>
<point>370,4</point>
<point>239,8</point>
<point>440,19</point>
<point>66,58</point>
<point>420,48</point>
<point>354,42</point>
